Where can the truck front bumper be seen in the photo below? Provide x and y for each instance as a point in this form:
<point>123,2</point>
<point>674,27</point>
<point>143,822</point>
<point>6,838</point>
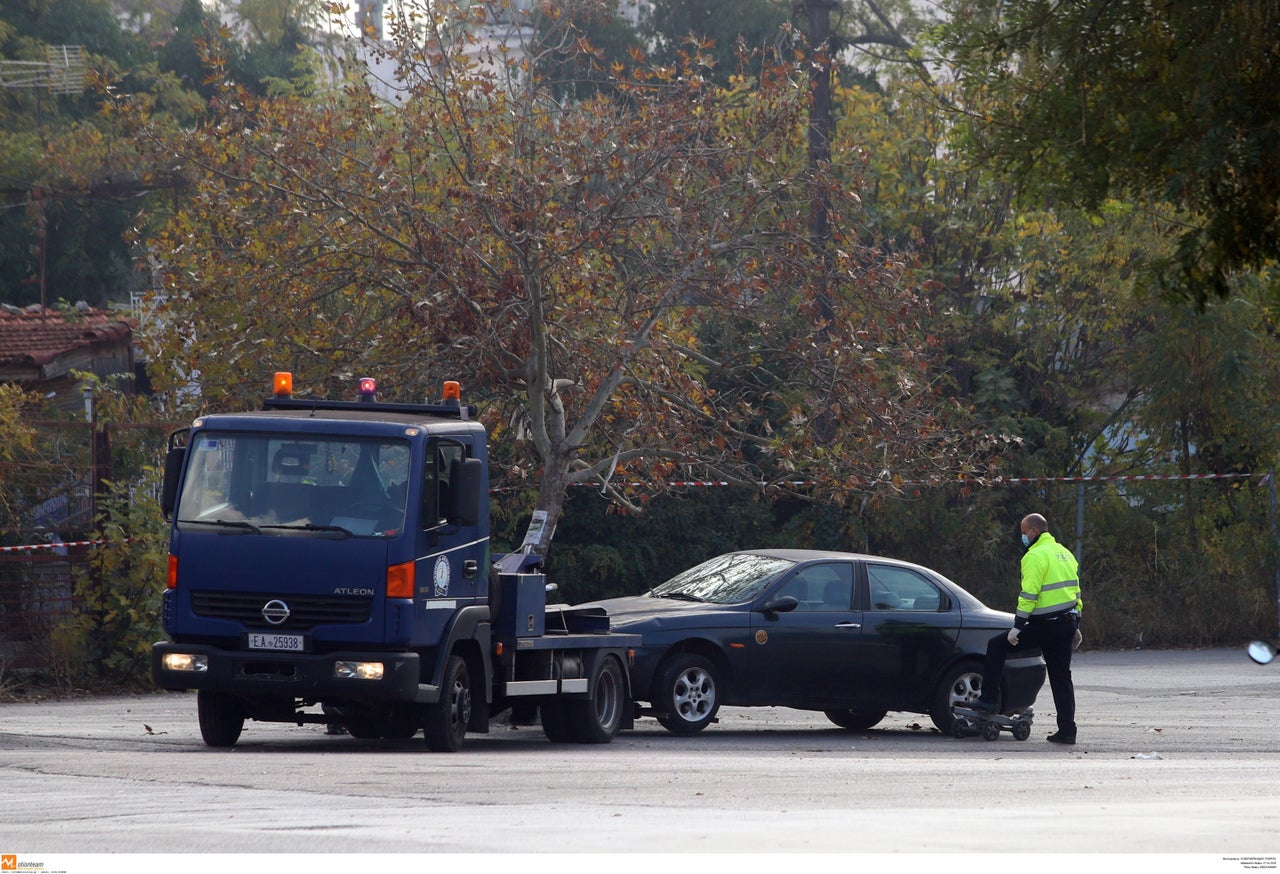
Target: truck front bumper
<point>336,675</point>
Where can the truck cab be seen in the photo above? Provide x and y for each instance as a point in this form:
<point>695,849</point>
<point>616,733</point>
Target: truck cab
<point>337,553</point>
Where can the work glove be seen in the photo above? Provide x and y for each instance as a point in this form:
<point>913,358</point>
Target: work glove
<point>1077,639</point>
<point>1013,636</point>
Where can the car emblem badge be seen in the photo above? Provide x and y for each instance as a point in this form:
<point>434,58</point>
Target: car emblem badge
<point>762,637</point>
<point>275,612</point>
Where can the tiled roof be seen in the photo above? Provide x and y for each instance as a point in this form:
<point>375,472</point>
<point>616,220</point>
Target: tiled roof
<point>36,337</point>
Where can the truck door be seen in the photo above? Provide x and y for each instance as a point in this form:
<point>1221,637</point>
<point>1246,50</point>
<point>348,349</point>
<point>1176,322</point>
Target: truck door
<point>453,558</point>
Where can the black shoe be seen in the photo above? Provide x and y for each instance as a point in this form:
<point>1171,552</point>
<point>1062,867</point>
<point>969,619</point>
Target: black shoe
<point>979,705</point>
<point>1061,737</point>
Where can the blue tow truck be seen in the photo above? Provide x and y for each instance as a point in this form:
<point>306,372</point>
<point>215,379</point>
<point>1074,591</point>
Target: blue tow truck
<point>329,563</point>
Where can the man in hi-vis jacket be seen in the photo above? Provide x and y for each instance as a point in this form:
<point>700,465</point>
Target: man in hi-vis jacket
<point>1048,617</point>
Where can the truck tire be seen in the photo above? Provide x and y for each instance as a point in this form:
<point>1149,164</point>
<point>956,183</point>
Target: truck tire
<point>597,720</point>
<point>221,718</point>
<point>363,728</point>
<point>402,724</point>
<point>557,722</point>
<point>445,722</point>
<point>686,693</point>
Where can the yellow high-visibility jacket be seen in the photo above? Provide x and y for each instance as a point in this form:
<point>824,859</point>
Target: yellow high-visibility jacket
<point>1050,581</point>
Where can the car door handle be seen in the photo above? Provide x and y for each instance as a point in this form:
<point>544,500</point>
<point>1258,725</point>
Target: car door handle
<point>469,569</point>
<point>852,626</point>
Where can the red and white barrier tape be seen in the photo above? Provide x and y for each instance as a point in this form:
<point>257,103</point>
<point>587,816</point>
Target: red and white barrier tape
<point>35,547</point>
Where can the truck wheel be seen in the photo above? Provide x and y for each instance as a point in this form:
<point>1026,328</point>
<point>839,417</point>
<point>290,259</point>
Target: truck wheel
<point>597,721</point>
<point>557,722</point>
<point>686,693</point>
<point>961,684</point>
<point>855,720</point>
<point>363,728</point>
<point>402,724</point>
<point>221,718</point>
<point>445,722</point>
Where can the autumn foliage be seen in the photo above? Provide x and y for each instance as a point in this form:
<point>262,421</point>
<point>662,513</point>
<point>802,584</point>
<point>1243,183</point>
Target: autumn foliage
<point>625,283</point>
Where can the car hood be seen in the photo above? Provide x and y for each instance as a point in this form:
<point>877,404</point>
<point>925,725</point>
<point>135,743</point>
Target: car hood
<point>642,613</point>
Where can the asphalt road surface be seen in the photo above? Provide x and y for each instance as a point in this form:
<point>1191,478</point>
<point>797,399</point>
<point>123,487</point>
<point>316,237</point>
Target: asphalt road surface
<point>1179,753</point>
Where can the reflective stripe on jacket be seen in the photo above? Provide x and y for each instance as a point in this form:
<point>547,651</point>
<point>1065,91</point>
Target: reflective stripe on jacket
<point>1050,580</point>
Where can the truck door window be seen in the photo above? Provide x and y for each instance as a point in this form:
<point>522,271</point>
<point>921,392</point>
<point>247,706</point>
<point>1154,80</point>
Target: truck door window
<point>436,489</point>
<point>262,482</point>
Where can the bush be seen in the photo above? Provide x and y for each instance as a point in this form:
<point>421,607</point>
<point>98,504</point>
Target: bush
<point>117,615</point>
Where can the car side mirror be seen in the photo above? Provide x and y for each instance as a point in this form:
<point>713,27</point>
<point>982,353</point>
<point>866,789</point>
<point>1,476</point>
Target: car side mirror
<point>785,604</point>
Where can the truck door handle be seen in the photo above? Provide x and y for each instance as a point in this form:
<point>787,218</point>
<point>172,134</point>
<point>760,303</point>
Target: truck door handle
<point>469,568</point>
<point>852,626</point>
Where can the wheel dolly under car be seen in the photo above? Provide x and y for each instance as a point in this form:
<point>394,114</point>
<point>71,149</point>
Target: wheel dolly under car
<point>971,722</point>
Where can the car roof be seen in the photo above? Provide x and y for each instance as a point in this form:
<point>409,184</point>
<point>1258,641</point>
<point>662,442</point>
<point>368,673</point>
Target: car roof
<point>799,555</point>
<point>807,555</point>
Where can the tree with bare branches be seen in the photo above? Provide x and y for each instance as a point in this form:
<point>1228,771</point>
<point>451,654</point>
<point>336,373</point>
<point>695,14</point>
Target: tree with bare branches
<point>627,282</point>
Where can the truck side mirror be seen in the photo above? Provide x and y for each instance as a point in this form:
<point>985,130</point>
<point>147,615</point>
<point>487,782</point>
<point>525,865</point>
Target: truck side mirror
<point>173,461</point>
<point>466,478</point>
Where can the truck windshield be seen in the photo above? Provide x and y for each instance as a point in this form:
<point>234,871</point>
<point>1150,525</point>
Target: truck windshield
<point>726,579</point>
<point>259,483</point>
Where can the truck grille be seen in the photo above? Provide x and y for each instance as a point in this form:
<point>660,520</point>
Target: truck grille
<point>305,611</point>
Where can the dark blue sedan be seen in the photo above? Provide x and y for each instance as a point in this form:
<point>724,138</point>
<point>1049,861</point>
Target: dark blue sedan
<point>854,636</point>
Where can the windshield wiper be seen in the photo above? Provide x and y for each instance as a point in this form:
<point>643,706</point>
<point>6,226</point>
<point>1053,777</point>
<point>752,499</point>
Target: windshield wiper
<point>681,596</point>
<point>238,524</point>
<point>326,529</point>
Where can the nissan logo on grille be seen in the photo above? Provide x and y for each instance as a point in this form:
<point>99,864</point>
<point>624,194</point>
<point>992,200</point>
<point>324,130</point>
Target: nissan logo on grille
<point>275,612</point>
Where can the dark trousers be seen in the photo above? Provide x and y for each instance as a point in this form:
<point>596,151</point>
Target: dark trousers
<point>1053,638</point>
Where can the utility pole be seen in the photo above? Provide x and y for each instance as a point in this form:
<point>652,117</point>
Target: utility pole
<point>818,13</point>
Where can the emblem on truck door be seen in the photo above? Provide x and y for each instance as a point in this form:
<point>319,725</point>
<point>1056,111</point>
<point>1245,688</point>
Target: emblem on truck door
<point>275,612</point>
<point>442,577</point>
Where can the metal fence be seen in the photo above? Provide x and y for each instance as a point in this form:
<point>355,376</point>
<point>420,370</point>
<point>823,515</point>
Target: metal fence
<point>47,520</point>
<point>37,594</point>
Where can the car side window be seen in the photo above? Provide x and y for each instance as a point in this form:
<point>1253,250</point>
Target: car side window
<point>900,588</point>
<point>820,587</point>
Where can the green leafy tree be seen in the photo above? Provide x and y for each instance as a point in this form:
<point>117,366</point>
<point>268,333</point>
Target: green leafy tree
<point>732,38</point>
<point>16,439</point>
<point>1174,101</point>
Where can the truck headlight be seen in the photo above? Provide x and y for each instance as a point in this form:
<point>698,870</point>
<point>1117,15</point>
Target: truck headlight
<point>358,670</point>
<point>185,661</point>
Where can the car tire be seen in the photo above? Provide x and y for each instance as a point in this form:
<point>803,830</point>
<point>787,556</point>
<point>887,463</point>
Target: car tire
<point>855,720</point>
<point>962,682</point>
<point>686,693</point>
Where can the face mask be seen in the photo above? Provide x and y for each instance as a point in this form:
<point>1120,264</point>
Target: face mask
<point>1026,541</point>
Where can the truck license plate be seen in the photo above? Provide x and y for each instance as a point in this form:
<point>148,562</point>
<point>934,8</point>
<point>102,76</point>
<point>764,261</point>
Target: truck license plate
<point>286,642</point>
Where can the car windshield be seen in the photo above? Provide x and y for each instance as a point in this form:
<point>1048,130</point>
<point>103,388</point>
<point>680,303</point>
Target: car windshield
<point>726,579</point>
<point>330,486</point>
